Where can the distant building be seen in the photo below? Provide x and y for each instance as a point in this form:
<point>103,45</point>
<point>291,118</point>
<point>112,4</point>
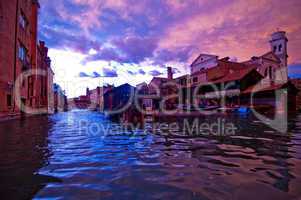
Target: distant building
<point>119,104</point>
<point>60,99</point>
<point>154,92</point>
<point>118,97</point>
<point>97,97</point>
<point>145,102</point>
<point>93,99</point>
<point>50,91</point>
<point>214,82</point>
<point>210,75</point>
<point>203,61</point>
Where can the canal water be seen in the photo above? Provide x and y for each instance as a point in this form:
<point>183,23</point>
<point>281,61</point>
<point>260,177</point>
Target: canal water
<point>82,155</point>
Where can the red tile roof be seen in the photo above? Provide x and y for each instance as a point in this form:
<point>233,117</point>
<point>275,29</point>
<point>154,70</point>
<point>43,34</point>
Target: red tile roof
<point>235,75</point>
<point>263,88</point>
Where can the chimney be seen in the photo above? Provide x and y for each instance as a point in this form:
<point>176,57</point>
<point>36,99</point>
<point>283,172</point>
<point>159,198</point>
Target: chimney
<point>42,43</point>
<point>169,73</point>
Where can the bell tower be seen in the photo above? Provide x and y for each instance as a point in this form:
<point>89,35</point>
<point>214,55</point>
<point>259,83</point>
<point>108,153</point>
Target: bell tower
<point>279,46</point>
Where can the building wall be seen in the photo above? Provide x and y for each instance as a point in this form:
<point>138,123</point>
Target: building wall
<point>43,86</point>
<point>50,93</point>
<point>14,35</point>
<point>204,62</point>
<point>18,30</point>
<point>118,97</point>
<point>7,51</point>
<point>182,81</point>
<point>96,97</point>
<point>272,71</point>
<point>200,77</point>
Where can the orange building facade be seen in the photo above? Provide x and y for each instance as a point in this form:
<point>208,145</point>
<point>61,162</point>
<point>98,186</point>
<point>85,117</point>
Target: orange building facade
<point>21,53</point>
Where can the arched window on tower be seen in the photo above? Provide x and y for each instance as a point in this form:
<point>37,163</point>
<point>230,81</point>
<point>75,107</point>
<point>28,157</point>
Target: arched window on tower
<point>280,48</point>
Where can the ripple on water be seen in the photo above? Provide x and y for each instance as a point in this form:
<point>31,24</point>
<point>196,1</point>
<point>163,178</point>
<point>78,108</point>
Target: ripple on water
<point>123,165</point>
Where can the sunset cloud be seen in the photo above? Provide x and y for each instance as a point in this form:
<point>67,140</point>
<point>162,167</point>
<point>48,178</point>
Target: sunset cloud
<point>150,35</point>
<point>155,73</point>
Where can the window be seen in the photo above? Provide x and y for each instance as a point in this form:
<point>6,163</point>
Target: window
<point>9,100</point>
<point>270,72</point>
<point>183,81</point>
<point>22,53</point>
<point>22,21</point>
<point>280,48</point>
<point>275,49</point>
<point>266,72</point>
<point>195,79</point>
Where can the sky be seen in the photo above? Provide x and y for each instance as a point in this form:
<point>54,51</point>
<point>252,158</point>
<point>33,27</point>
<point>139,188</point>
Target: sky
<point>96,42</point>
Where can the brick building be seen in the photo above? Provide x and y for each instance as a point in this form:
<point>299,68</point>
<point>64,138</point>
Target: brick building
<point>97,97</point>
<point>43,84</point>
<point>81,102</point>
<point>19,53</point>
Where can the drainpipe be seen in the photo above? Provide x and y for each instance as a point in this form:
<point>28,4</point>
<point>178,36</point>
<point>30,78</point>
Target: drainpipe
<point>35,87</point>
<point>15,52</point>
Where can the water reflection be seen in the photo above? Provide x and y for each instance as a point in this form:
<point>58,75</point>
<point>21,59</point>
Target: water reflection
<point>23,151</point>
<point>61,157</point>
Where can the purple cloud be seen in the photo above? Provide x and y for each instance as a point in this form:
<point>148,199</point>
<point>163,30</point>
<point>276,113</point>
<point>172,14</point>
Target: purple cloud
<point>177,54</point>
<point>175,71</point>
<point>131,73</point>
<point>155,73</point>
<point>83,75</point>
<point>132,49</point>
<point>109,72</point>
<point>164,31</point>
<point>96,75</point>
<point>107,54</point>
<point>64,39</point>
<point>142,72</point>
<point>136,49</point>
